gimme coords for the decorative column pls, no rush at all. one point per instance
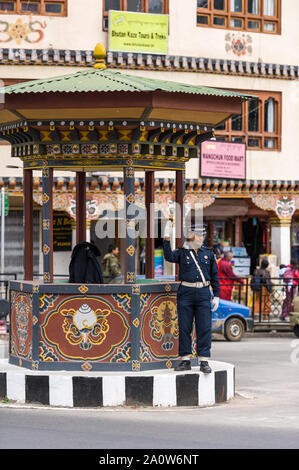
(28, 225)
(130, 241)
(47, 184)
(281, 239)
(150, 224)
(238, 231)
(179, 216)
(80, 206)
(210, 233)
(268, 229)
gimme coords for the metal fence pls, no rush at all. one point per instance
(271, 304)
(267, 306)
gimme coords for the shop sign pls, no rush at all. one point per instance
(223, 160)
(62, 233)
(138, 32)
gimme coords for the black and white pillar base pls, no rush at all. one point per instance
(152, 388)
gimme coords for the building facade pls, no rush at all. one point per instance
(242, 45)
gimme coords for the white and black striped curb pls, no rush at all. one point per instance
(167, 389)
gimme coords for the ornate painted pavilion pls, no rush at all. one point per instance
(91, 120)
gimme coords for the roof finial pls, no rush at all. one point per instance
(99, 54)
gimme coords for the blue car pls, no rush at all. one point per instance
(232, 320)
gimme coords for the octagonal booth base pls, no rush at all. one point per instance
(111, 389)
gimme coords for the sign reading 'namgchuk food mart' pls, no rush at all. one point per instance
(138, 32)
(223, 160)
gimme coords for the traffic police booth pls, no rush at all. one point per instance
(100, 119)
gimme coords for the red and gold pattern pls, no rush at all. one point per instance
(159, 326)
(83, 328)
(21, 325)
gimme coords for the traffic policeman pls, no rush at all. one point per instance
(198, 273)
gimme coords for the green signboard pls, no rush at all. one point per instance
(6, 204)
(138, 32)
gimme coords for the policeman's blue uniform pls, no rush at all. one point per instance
(194, 302)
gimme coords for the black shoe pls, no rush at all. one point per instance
(183, 365)
(204, 367)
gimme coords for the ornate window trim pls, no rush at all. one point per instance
(259, 139)
(123, 7)
(210, 17)
(42, 7)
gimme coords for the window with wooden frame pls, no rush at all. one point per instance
(259, 125)
(244, 15)
(34, 7)
(141, 6)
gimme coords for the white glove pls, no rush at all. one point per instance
(168, 229)
(215, 303)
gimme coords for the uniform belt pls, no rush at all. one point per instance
(196, 284)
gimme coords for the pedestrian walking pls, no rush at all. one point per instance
(262, 286)
(111, 264)
(198, 273)
(227, 276)
(290, 280)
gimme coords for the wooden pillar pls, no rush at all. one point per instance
(268, 236)
(210, 233)
(230, 231)
(28, 225)
(150, 222)
(80, 206)
(130, 241)
(179, 217)
(238, 231)
(281, 239)
(47, 182)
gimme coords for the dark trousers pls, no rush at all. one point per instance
(194, 303)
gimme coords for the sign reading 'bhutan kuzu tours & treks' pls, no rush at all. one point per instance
(138, 32)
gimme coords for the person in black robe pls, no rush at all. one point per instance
(84, 266)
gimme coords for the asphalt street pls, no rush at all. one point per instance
(263, 415)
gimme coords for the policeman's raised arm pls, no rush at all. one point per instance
(169, 255)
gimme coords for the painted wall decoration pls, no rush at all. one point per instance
(21, 325)
(238, 43)
(159, 327)
(29, 31)
(83, 328)
(114, 201)
(283, 206)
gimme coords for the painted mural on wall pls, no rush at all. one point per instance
(30, 31)
(83, 328)
(238, 43)
(21, 325)
(99, 204)
(159, 329)
(283, 206)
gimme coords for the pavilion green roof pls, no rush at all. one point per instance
(107, 80)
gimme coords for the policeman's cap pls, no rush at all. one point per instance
(198, 229)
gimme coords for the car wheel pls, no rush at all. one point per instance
(296, 330)
(234, 329)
